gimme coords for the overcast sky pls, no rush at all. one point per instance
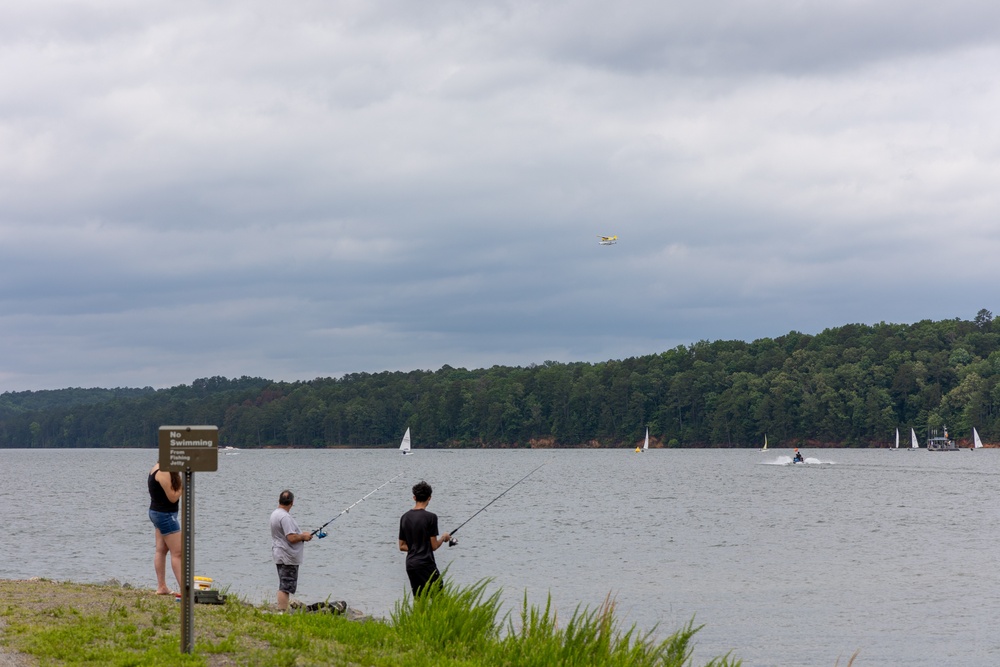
(309, 188)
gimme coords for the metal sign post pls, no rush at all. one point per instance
(188, 449)
(187, 565)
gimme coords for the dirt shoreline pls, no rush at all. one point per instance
(10, 657)
(34, 608)
(36, 600)
(27, 597)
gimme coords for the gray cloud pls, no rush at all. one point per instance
(728, 39)
(312, 189)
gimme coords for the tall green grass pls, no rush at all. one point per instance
(593, 637)
(446, 617)
(462, 622)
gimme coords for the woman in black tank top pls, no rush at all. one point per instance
(158, 496)
(164, 502)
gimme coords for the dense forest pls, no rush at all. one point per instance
(847, 386)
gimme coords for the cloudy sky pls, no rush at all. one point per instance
(308, 188)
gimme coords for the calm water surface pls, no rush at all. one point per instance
(892, 553)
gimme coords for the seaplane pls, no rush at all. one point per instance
(608, 240)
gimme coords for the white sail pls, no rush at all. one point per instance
(645, 445)
(404, 446)
(897, 438)
(975, 438)
(764, 448)
(913, 440)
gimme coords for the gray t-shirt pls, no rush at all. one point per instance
(282, 550)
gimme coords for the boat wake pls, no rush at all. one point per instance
(787, 461)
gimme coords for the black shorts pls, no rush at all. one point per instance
(422, 575)
(288, 577)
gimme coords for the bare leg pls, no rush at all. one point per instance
(160, 564)
(173, 543)
(282, 600)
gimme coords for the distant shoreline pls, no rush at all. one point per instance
(771, 447)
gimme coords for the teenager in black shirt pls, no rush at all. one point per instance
(418, 537)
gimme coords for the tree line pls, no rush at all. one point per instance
(847, 386)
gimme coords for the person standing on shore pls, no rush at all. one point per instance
(164, 502)
(418, 537)
(287, 547)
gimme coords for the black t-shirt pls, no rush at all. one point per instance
(416, 528)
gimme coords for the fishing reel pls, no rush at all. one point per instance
(452, 542)
(321, 534)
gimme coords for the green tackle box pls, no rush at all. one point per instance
(208, 597)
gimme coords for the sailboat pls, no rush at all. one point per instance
(404, 447)
(914, 446)
(764, 448)
(977, 443)
(897, 438)
(645, 445)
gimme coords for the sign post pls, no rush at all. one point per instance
(188, 449)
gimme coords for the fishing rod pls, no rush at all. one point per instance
(452, 542)
(319, 531)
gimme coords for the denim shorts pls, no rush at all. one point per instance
(165, 522)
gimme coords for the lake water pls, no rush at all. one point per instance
(892, 553)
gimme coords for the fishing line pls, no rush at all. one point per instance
(319, 531)
(452, 542)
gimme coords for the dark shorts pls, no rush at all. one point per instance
(288, 577)
(421, 575)
(165, 522)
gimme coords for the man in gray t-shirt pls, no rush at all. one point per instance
(287, 547)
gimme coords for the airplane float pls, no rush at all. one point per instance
(608, 240)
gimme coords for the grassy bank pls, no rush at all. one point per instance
(50, 623)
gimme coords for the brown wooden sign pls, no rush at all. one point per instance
(189, 448)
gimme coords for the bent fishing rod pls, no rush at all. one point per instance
(319, 531)
(452, 542)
